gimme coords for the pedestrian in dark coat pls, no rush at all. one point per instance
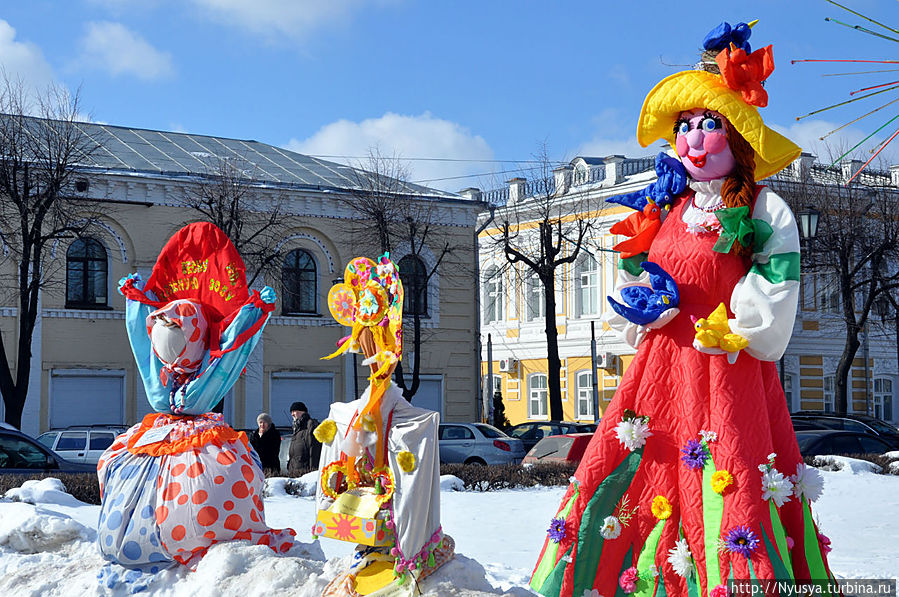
(266, 440)
(304, 448)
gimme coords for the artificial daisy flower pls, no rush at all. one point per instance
(721, 480)
(681, 559)
(776, 487)
(708, 436)
(807, 482)
(633, 432)
(661, 507)
(694, 454)
(741, 540)
(611, 528)
(556, 530)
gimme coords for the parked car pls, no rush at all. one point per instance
(533, 432)
(20, 453)
(820, 442)
(559, 449)
(477, 443)
(82, 443)
(849, 422)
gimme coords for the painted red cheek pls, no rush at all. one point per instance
(681, 145)
(714, 142)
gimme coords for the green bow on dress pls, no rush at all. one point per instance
(737, 226)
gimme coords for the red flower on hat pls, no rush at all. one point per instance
(745, 72)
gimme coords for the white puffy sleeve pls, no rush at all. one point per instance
(764, 301)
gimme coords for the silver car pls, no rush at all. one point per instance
(477, 443)
(81, 444)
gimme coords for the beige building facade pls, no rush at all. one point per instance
(83, 371)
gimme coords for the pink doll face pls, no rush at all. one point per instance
(701, 143)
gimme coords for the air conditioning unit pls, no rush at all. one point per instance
(508, 365)
(606, 360)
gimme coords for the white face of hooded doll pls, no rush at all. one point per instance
(701, 143)
(168, 340)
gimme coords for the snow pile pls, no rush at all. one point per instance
(42, 491)
(894, 455)
(24, 528)
(304, 486)
(853, 466)
(451, 483)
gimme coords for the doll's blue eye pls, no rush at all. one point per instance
(683, 128)
(710, 124)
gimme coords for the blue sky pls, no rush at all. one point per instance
(460, 80)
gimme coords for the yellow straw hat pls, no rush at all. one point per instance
(693, 89)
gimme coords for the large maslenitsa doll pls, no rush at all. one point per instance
(380, 468)
(694, 476)
(182, 479)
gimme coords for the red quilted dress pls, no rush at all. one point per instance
(683, 392)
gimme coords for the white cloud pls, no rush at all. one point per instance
(281, 18)
(118, 50)
(23, 61)
(405, 137)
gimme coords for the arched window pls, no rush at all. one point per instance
(86, 274)
(493, 295)
(587, 285)
(415, 285)
(299, 282)
(537, 396)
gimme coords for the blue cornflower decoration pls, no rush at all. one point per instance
(556, 530)
(741, 540)
(723, 35)
(694, 454)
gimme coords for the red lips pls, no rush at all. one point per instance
(698, 160)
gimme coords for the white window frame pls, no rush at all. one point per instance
(828, 299)
(790, 390)
(882, 399)
(584, 395)
(592, 277)
(494, 296)
(534, 299)
(828, 389)
(534, 395)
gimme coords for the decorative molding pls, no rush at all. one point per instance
(115, 235)
(82, 314)
(318, 243)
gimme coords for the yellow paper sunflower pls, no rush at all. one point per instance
(661, 507)
(721, 480)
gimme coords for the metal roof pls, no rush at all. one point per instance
(163, 153)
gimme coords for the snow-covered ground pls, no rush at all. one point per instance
(46, 542)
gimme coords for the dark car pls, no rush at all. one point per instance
(533, 432)
(848, 422)
(19, 453)
(821, 442)
(568, 448)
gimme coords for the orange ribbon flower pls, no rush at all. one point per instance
(745, 72)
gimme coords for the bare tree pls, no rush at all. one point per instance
(41, 146)
(855, 253)
(539, 234)
(254, 221)
(391, 213)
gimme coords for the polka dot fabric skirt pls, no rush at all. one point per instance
(171, 507)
